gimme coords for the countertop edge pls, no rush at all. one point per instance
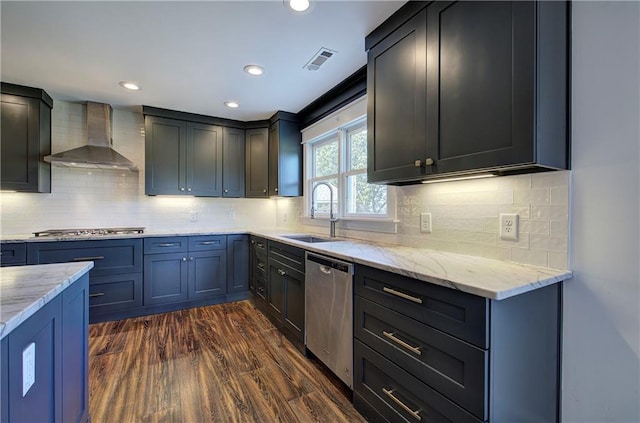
(81, 269)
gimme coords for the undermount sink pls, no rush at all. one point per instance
(310, 238)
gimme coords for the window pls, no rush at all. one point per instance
(337, 164)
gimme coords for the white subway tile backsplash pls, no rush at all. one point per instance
(550, 212)
(540, 242)
(540, 227)
(557, 260)
(559, 195)
(531, 196)
(527, 256)
(559, 228)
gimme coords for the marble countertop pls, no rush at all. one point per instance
(487, 278)
(26, 289)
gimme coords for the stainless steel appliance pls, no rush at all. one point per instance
(329, 313)
(61, 233)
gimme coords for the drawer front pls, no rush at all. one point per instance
(454, 368)
(115, 292)
(13, 254)
(398, 396)
(261, 287)
(261, 266)
(259, 244)
(157, 245)
(286, 254)
(456, 313)
(110, 257)
(208, 242)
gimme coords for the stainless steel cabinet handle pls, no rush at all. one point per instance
(209, 242)
(260, 245)
(399, 341)
(264, 191)
(94, 258)
(427, 162)
(253, 241)
(184, 259)
(189, 189)
(417, 163)
(281, 272)
(402, 295)
(190, 258)
(261, 266)
(226, 190)
(96, 294)
(168, 244)
(414, 414)
(276, 190)
(181, 189)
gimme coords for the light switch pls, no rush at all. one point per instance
(28, 368)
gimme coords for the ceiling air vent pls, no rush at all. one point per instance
(319, 59)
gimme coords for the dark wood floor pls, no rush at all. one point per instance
(223, 363)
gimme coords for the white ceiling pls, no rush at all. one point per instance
(187, 56)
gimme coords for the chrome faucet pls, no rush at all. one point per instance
(332, 216)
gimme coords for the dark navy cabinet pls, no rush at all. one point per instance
(285, 156)
(165, 278)
(13, 254)
(428, 352)
(116, 278)
(59, 332)
(257, 163)
(233, 153)
(461, 87)
(182, 158)
(237, 263)
(25, 139)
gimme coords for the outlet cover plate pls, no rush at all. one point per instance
(28, 368)
(425, 223)
(509, 226)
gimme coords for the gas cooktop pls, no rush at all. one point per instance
(55, 233)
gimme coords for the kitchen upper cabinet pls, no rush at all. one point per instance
(26, 138)
(182, 158)
(257, 163)
(495, 93)
(396, 103)
(285, 156)
(233, 153)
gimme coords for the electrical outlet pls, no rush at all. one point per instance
(425, 223)
(509, 226)
(28, 368)
(193, 216)
(232, 215)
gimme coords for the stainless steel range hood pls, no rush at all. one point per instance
(98, 152)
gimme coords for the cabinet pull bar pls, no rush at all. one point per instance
(260, 245)
(281, 272)
(261, 266)
(88, 258)
(415, 414)
(96, 294)
(403, 295)
(168, 244)
(399, 341)
(209, 242)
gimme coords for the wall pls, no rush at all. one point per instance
(102, 198)
(601, 364)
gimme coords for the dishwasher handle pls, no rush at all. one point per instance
(328, 264)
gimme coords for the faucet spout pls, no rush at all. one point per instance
(332, 216)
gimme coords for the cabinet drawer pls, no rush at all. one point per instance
(115, 292)
(456, 313)
(110, 257)
(13, 254)
(286, 254)
(398, 396)
(455, 368)
(208, 242)
(261, 266)
(261, 287)
(172, 244)
(260, 244)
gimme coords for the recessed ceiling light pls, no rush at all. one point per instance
(254, 70)
(231, 104)
(299, 5)
(130, 85)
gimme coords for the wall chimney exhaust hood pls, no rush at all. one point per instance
(98, 152)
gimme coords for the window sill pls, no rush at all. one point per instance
(389, 226)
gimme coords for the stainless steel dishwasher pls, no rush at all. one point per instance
(329, 313)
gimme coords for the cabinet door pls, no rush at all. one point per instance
(207, 273)
(274, 145)
(276, 288)
(165, 156)
(237, 263)
(233, 165)
(25, 140)
(204, 160)
(294, 302)
(165, 278)
(257, 162)
(480, 79)
(285, 159)
(396, 104)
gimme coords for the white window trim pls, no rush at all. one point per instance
(349, 114)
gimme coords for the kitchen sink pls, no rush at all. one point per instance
(310, 238)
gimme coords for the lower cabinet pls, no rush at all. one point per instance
(59, 334)
(237, 263)
(13, 254)
(277, 273)
(430, 353)
(165, 278)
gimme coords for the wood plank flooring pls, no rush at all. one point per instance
(222, 363)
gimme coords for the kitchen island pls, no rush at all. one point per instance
(44, 319)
